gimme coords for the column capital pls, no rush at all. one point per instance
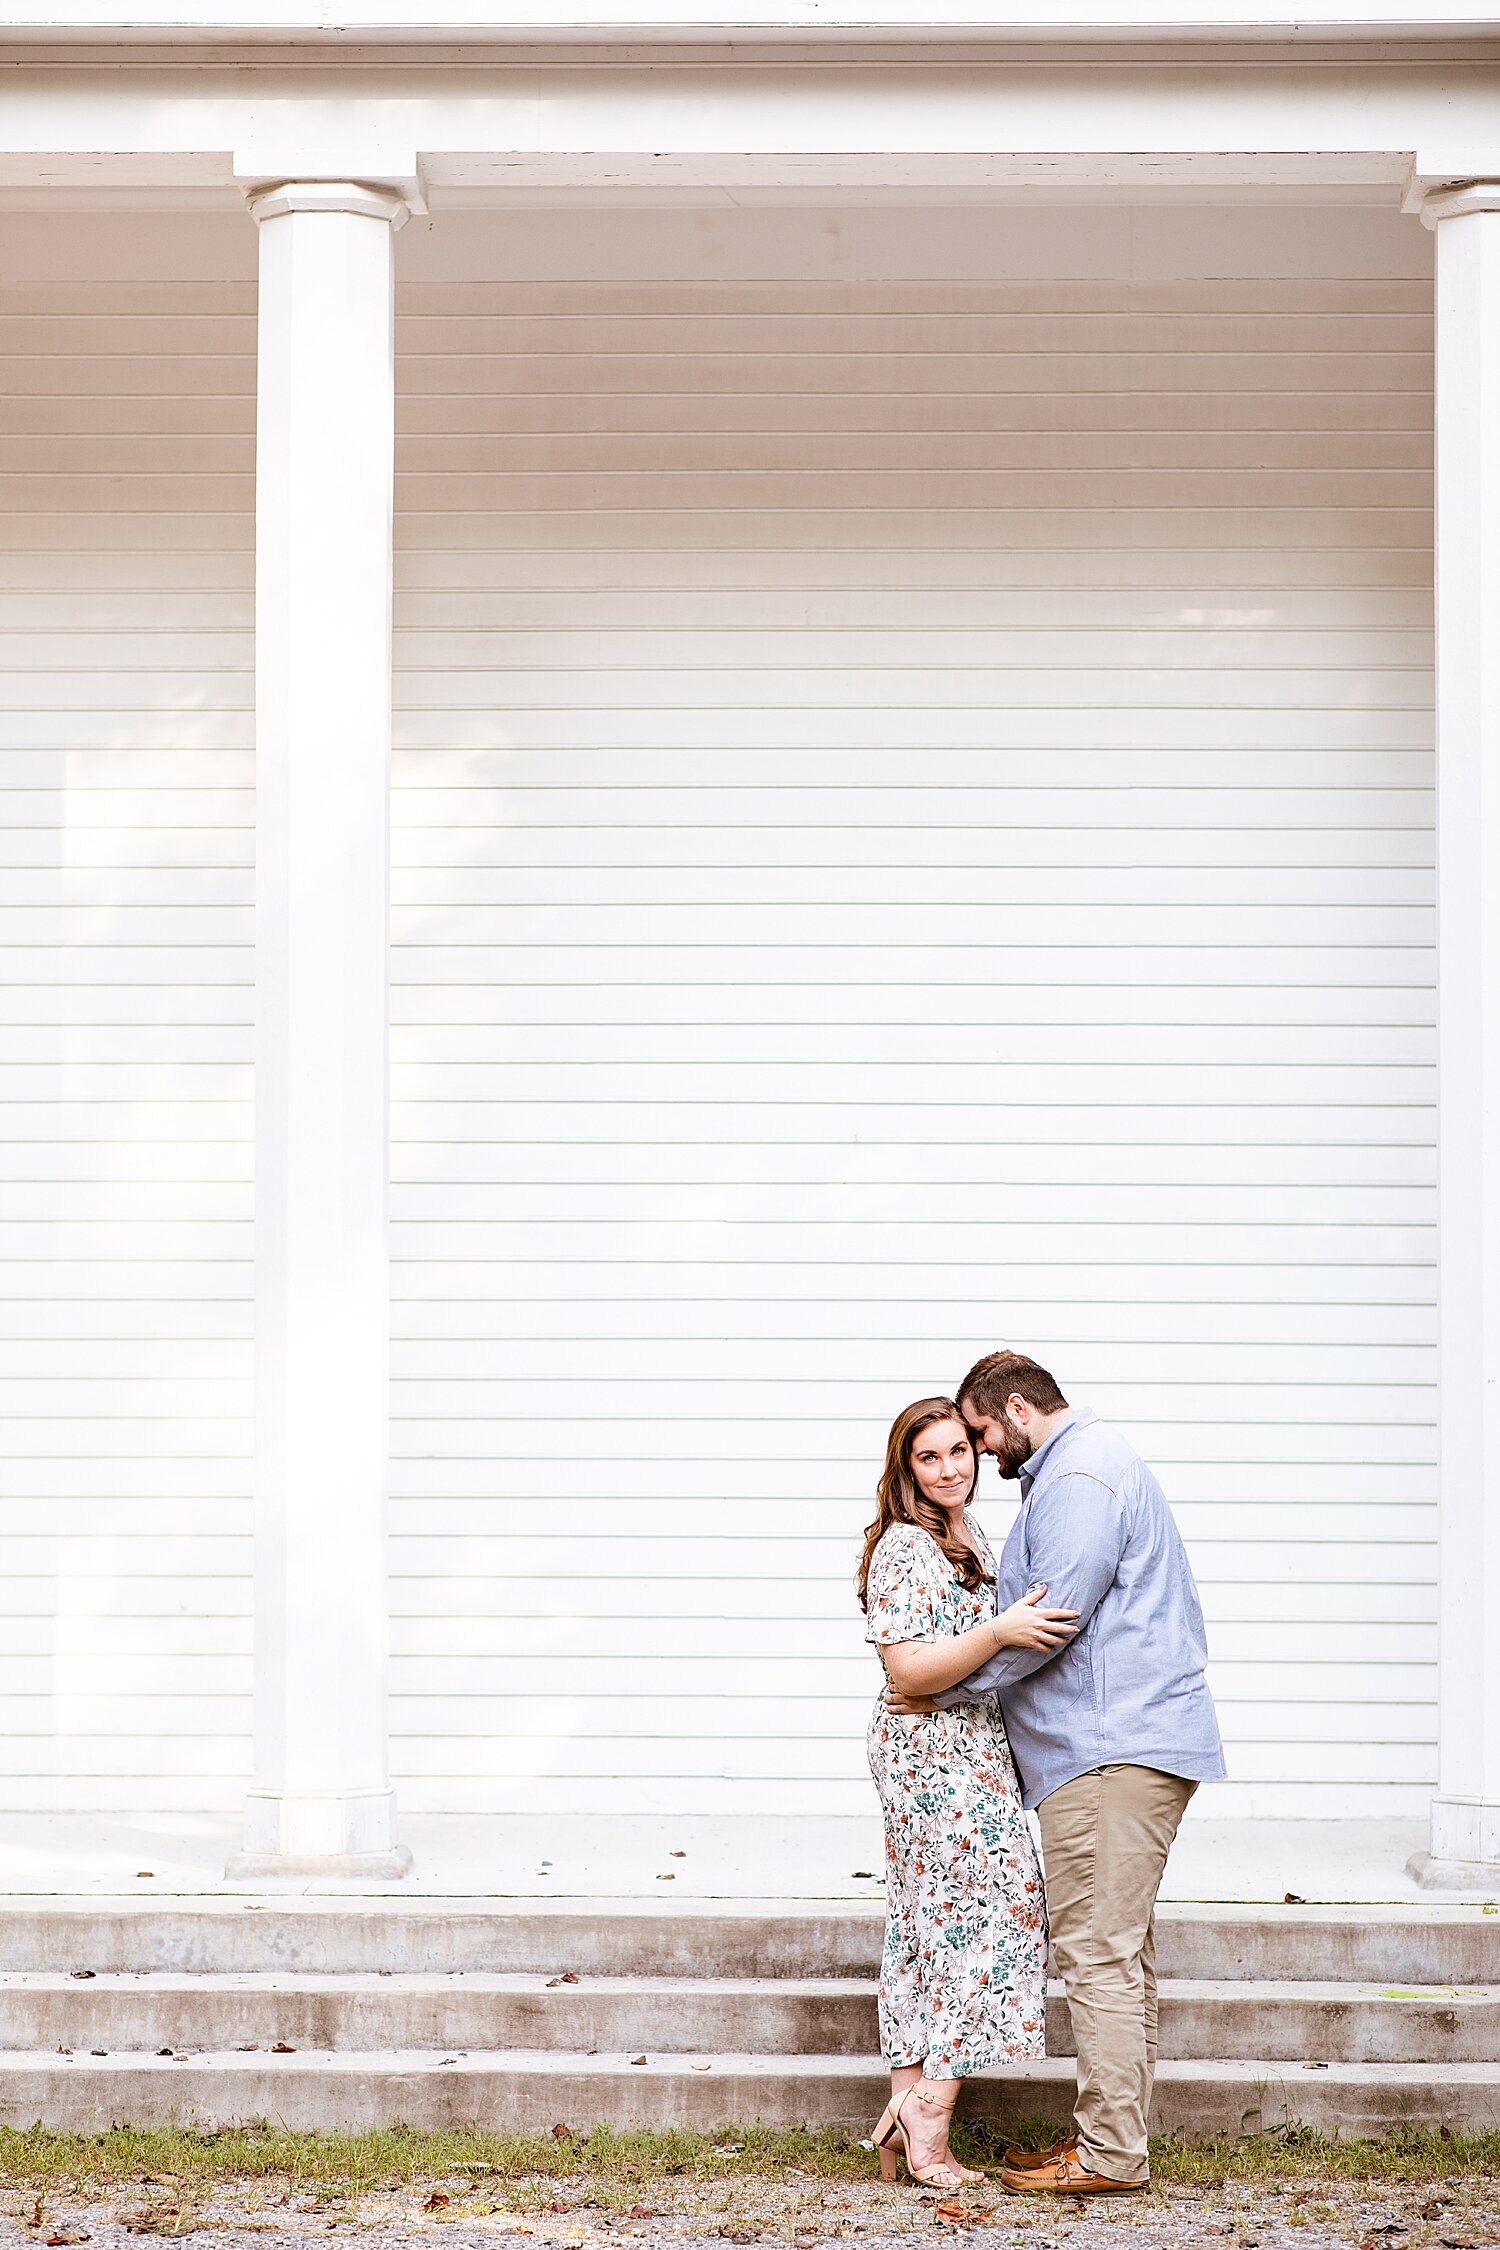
(1436, 203)
(363, 199)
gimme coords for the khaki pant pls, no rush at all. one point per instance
(1105, 1839)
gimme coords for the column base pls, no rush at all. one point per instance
(337, 1867)
(1465, 1853)
(338, 1834)
(1430, 1874)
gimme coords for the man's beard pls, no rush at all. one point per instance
(1018, 1452)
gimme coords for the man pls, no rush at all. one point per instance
(1111, 1735)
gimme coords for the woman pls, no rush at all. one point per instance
(963, 1973)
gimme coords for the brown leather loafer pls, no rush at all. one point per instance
(1031, 2159)
(1067, 2176)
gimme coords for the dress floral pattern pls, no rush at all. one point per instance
(963, 1972)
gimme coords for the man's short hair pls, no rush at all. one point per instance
(1004, 1375)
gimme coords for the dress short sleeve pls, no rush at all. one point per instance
(901, 1597)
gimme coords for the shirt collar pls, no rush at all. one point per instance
(1030, 1470)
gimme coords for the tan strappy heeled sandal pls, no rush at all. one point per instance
(891, 2129)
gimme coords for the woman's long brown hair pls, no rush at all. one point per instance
(898, 1499)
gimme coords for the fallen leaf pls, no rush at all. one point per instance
(636, 2060)
(446, 2060)
(862, 1874)
(1294, 1898)
(637, 2211)
(701, 2066)
(677, 1855)
(66, 2050)
(98, 2050)
(64, 2235)
(80, 1973)
(563, 2133)
(281, 2048)
(36, 2212)
(164, 2050)
(1436, 2207)
(666, 1878)
(437, 2201)
(249, 2048)
(568, 1977)
(950, 2213)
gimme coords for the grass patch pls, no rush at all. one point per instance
(191, 2164)
(397, 2156)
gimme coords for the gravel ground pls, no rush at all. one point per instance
(797, 2213)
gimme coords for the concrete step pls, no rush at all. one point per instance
(529, 2091)
(1201, 2019)
(434, 2011)
(1398, 1945)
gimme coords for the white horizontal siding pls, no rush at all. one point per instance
(792, 674)
(912, 830)
(126, 580)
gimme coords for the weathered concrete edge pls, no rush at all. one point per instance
(364, 2013)
(1416, 1944)
(529, 2093)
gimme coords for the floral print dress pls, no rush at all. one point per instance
(963, 1973)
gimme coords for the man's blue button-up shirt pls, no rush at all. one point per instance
(1128, 1689)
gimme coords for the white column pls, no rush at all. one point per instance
(321, 1801)
(1466, 1810)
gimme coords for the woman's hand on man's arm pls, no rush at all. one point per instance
(1026, 1625)
(916, 1669)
